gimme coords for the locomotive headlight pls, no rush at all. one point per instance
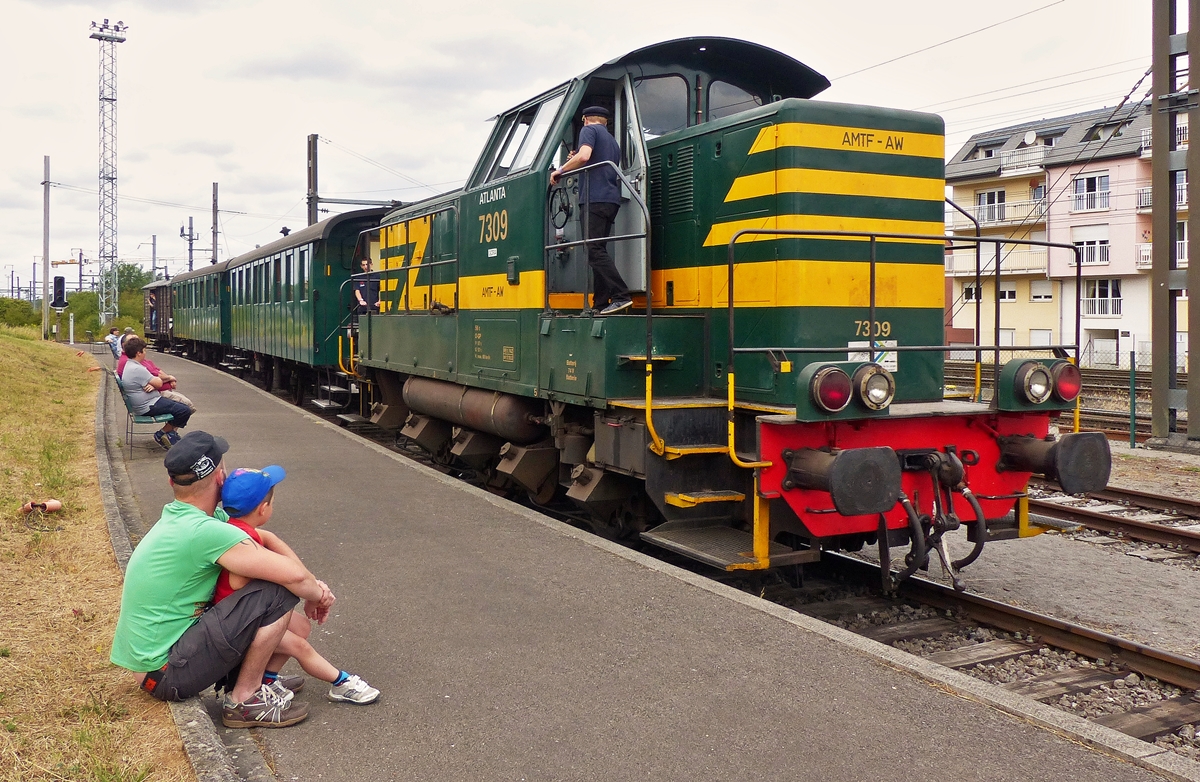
(875, 386)
(831, 389)
(1068, 382)
(1034, 382)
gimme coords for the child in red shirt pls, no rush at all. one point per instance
(248, 497)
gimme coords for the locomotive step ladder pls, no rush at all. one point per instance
(716, 543)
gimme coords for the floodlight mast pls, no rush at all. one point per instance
(109, 35)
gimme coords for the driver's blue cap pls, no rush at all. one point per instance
(245, 489)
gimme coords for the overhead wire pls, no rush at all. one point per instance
(373, 162)
(948, 40)
(1028, 83)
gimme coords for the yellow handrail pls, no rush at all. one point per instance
(657, 446)
(353, 370)
(732, 452)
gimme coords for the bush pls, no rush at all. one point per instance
(18, 312)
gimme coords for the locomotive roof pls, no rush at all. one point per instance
(752, 66)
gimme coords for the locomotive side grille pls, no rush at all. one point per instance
(656, 187)
(680, 192)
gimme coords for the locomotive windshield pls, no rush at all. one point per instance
(521, 136)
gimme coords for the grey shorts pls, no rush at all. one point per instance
(216, 644)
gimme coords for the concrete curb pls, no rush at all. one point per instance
(1098, 737)
(205, 750)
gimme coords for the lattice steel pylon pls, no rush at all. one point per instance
(109, 35)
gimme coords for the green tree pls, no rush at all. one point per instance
(131, 277)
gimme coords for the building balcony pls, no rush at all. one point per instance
(1012, 213)
(1022, 159)
(1145, 197)
(1101, 307)
(1089, 202)
(1023, 261)
(1181, 139)
(1145, 255)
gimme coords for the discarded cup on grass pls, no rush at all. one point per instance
(48, 506)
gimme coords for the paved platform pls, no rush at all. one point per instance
(510, 646)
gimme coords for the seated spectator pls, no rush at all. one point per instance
(113, 340)
(170, 382)
(142, 388)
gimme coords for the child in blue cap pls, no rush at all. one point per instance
(248, 497)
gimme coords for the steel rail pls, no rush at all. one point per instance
(1156, 663)
(1148, 531)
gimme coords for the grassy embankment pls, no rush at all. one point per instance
(66, 713)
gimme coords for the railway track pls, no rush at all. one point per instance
(1050, 660)
(1168, 521)
(992, 634)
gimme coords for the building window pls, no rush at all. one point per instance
(1008, 291)
(969, 293)
(1039, 192)
(989, 206)
(984, 152)
(1091, 192)
(1040, 337)
(1093, 252)
(1102, 297)
(1041, 290)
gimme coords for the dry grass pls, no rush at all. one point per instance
(66, 713)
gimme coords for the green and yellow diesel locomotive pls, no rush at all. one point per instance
(776, 388)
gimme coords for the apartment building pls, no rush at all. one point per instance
(1081, 180)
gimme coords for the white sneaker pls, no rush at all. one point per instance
(283, 693)
(353, 690)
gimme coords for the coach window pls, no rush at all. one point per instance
(662, 103)
(725, 99)
(302, 271)
(288, 279)
(277, 276)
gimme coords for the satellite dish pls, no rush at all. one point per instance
(1030, 137)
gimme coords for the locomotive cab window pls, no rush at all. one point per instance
(725, 99)
(662, 104)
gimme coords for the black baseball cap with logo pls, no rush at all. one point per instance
(195, 457)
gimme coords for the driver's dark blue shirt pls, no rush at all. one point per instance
(602, 185)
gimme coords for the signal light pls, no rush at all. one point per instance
(874, 386)
(1033, 382)
(831, 389)
(1068, 382)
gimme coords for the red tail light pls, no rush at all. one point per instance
(831, 389)
(1068, 382)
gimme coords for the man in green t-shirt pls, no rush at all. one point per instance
(167, 633)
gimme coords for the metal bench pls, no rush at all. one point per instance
(133, 419)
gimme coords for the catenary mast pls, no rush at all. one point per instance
(108, 36)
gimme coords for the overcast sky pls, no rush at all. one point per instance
(227, 91)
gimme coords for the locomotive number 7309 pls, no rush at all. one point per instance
(863, 328)
(493, 226)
